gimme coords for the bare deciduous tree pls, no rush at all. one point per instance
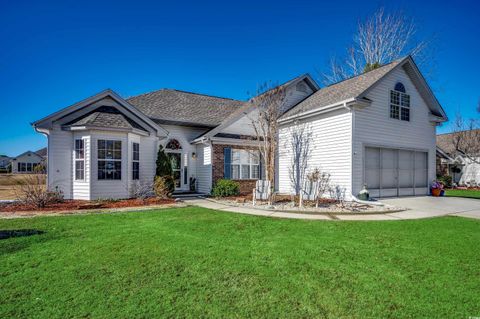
(267, 109)
(380, 39)
(300, 148)
(321, 182)
(466, 137)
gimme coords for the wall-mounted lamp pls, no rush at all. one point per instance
(194, 155)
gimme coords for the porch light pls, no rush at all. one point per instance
(194, 155)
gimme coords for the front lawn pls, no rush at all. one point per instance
(194, 262)
(468, 193)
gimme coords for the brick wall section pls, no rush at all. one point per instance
(246, 185)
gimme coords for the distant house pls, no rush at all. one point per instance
(26, 163)
(377, 129)
(4, 163)
(464, 168)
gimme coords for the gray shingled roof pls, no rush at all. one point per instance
(106, 117)
(42, 152)
(178, 107)
(337, 92)
(446, 141)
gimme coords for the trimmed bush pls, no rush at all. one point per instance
(225, 188)
(164, 165)
(161, 187)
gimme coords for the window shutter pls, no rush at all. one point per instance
(260, 168)
(227, 160)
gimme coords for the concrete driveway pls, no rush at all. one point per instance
(427, 206)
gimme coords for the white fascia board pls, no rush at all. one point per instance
(325, 109)
(233, 141)
(219, 128)
(99, 128)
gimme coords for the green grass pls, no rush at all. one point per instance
(193, 262)
(468, 193)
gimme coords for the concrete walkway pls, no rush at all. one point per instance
(417, 207)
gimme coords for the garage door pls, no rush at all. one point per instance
(395, 172)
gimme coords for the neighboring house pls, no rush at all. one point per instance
(465, 170)
(26, 163)
(4, 163)
(376, 129)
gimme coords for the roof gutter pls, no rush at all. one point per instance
(329, 108)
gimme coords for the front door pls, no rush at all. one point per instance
(176, 160)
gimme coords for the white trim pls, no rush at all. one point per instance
(233, 141)
(106, 93)
(100, 128)
(250, 107)
(329, 108)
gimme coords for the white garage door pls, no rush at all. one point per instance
(395, 172)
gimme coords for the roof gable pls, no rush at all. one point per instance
(68, 113)
(106, 116)
(356, 88)
(28, 153)
(241, 116)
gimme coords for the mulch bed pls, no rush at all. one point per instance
(82, 204)
(279, 198)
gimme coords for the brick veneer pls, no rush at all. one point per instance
(246, 185)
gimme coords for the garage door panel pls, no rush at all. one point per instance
(389, 178)
(421, 191)
(388, 192)
(372, 167)
(406, 191)
(372, 178)
(396, 172)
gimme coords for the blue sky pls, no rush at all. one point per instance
(54, 54)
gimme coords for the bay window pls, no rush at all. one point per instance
(79, 159)
(109, 160)
(135, 161)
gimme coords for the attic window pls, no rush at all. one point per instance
(399, 103)
(302, 87)
(400, 87)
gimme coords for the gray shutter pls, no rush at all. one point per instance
(260, 168)
(227, 160)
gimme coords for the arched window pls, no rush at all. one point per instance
(173, 144)
(400, 87)
(399, 103)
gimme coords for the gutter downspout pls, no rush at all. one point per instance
(46, 134)
(354, 198)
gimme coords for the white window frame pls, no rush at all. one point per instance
(79, 155)
(135, 161)
(403, 104)
(246, 158)
(107, 159)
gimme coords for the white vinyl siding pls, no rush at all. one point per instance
(204, 168)
(373, 127)
(60, 159)
(331, 149)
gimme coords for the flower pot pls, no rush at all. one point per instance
(436, 192)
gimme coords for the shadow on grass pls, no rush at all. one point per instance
(5, 234)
